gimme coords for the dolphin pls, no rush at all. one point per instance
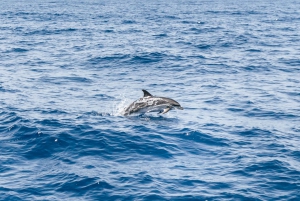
(149, 103)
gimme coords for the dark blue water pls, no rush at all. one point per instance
(68, 68)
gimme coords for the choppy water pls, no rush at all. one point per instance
(67, 68)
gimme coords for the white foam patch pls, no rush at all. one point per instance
(118, 107)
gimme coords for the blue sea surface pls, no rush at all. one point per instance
(68, 69)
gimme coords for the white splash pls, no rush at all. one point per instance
(118, 107)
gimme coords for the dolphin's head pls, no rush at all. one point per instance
(175, 104)
(178, 107)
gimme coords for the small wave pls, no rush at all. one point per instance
(162, 35)
(199, 137)
(203, 46)
(50, 31)
(65, 79)
(128, 22)
(109, 31)
(253, 50)
(254, 132)
(108, 59)
(17, 50)
(258, 112)
(147, 58)
(81, 184)
(290, 62)
(104, 97)
(196, 30)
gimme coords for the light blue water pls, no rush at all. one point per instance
(67, 69)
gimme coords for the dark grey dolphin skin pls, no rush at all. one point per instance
(150, 103)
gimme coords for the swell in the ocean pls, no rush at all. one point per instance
(69, 68)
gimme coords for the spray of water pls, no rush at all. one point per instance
(119, 106)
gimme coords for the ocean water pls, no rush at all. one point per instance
(68, 68)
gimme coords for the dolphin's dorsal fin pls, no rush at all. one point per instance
(146, 93)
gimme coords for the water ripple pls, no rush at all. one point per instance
(68, 69)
